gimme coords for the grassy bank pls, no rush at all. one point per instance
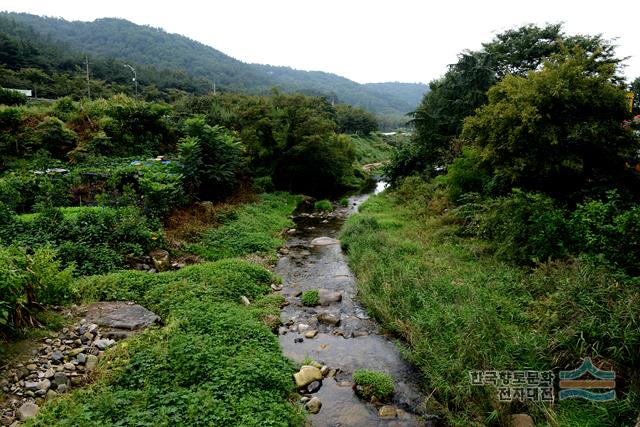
(215, 361)
(370, 149)
(458, 308)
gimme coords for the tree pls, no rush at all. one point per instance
(558, 130)
(439, 118)
(635, 88)
(355, 120)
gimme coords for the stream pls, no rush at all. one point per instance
(312, 259)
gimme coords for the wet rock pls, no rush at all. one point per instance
(328, 297)
(313, 405)
(313, 387)
(244, 300)
(304, 399)
(160, 259)
(311, 334)
(387, 412)
(298, 340)
(303, 327)
(329, 319)
(324, 241)
(27, 410)
(276, 287)
(324, 370)
(522, 420)
(307, 375)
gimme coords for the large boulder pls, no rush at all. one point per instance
(27, 410)
(121, 315)
(307, 375)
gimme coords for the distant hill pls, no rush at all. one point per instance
(125, 41)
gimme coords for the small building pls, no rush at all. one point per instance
(26, 92)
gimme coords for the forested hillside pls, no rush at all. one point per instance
(125, 41)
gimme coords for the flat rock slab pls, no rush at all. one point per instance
(324, 241)
(121, 315)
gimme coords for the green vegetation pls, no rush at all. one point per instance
(251, 229)
(459, 307)
(214, 363)
(344, 202)
(371, 149)
(372, 384)
(48, 54)
(323, 205)
(310, 297)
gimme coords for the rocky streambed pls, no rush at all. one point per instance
(337, 334)
(66, 359)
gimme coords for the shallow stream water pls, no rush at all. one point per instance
(356, 341)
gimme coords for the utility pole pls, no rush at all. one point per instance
(214, 87)
(135, 77)
(86, 58)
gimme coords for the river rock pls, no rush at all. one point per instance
(522, 420)
(60, 379)
(57, 357)
(329, 319)
(27, 410)
(69, 366)
(328, 297)
(103, 343)
(31, 385)
(49, 373)
(244, 300)
(387, 411)
(44, 384)
(303, 327)
(313, 387)
(75, 352)
(161, 260)
(311, 334)
(120, 315)
(313, 405)
(307, 375)
(81, 358)
(92, 362)
(324, 241)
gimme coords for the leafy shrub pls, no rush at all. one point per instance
(53, 136)
(528, 227)
(344, 202)
(28, 278)
(370, 384)
(310, 297)
(263, 184)
(465, 175)
(323, 205)
(11, 97)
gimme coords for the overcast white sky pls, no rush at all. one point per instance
(364, 40)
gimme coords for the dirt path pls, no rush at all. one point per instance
(312, 259)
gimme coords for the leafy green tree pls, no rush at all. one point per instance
(635, 88)
(212, 157)
(355, 120)
(11, 97)
(55, 137)
(558, 130)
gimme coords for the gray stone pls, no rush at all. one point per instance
(69, 366)
(81, 358)
(304, 399)
(44, 384)
(92, 362)
(60, 378)
(31, 385)
(324, 241)
(62, 388)
(328, 297)
(120, 315)
(310, 334)
(49, 373)
(57, 357)
(27, 410)
(313, 387)
(104, 343)
(329, 319)
(313, 405)
(303, 327)
(51, 394)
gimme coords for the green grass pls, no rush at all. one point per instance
(214, 363)
(250, 229)
(68, 213)
(457, 308)
(373, 384)
(371, 149)
(323, 205)
(310, 297)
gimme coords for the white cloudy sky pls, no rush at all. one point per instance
(364, 40)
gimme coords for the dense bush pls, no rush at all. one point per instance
(28, 279)
(11, 97)
(310, 297)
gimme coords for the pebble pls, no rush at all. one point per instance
(244, 300)
(313, 387)
(313, 405)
